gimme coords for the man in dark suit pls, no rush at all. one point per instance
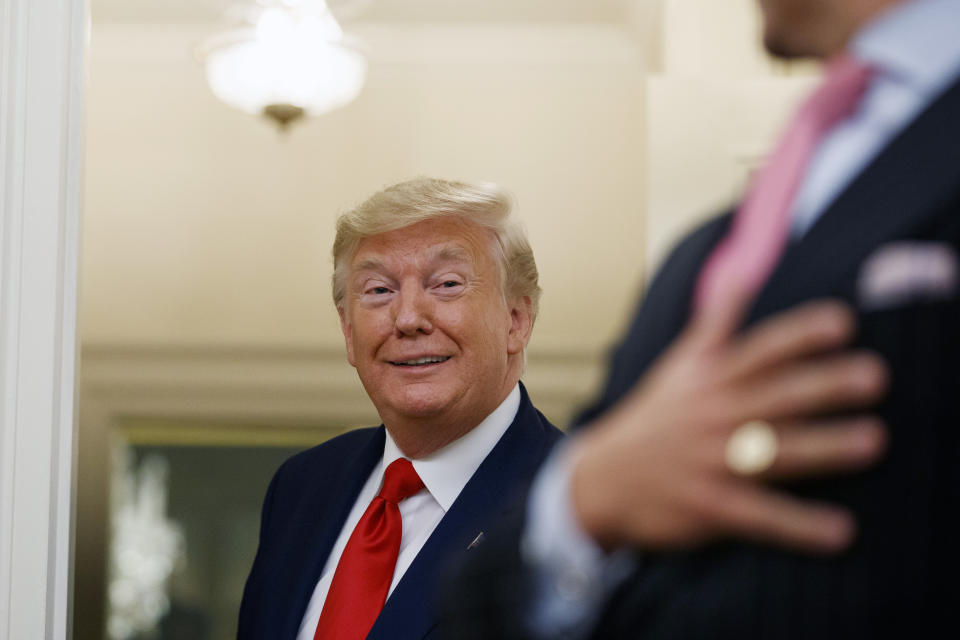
(437, 293)
(872, 219)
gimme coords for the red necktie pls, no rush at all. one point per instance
(746, 256)
(365, 571)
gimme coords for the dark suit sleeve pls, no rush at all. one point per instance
(492, 590)
(255, 581)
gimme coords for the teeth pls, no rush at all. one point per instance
(427, 360)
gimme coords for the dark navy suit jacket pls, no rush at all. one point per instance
(900, 578)
(311, 495)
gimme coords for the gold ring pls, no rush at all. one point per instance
(752, 448)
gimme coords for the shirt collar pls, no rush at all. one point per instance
(446, 471)
(914, 42)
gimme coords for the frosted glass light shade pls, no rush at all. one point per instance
(316, 76)
(289, 59)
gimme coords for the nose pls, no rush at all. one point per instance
(413, 311)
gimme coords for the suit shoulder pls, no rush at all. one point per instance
(539, 425)
(335, 449)
(673, 282)
(672, 285)
(694, 246)
(661, 313)
(551, 433)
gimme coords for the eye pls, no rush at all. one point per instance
(447, 284)
(377, 290)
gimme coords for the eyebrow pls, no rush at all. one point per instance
(450, 253)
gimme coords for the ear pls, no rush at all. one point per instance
(347, 329)
(521, 325)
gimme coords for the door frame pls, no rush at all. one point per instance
(42, 78)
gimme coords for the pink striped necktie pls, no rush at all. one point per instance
(745, 258)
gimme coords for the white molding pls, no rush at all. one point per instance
(280, 386)
(41, 122)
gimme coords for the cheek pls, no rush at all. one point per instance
(369, 331)
(491, 331)
(478, 327)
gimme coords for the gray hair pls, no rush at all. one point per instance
(407, 203)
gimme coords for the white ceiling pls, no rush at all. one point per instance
(200, 11)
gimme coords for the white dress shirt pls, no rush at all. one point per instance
(915, 51)
(444, 473)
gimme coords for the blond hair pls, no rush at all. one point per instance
(407, 203)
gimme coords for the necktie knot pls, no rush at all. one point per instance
(845, 80)
(400, 481)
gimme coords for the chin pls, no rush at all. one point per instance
(801, 39)
(781, 47)
(418, 403)
(775, 48)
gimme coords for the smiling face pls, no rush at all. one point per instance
(436, 345)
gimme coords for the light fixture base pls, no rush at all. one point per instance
(283, 114)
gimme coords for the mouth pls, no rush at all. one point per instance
(420, 362)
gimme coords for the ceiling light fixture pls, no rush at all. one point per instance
(287, 59)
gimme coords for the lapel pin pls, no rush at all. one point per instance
(476, 541)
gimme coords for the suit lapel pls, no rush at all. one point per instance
(410, 612)
(322, 518)
(906, 186)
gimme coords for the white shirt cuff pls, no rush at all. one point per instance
(572, 575)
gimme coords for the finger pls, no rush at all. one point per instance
(808, 329)
(828, 447)
(713, 324)
(845, 381)
(761, 514)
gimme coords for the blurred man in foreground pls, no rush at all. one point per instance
(437, 293)
(860, 201)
